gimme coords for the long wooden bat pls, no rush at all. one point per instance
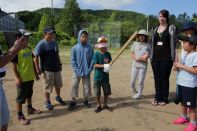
(124, 47)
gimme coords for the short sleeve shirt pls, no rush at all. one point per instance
(139, 50)
(186, 78)
(100, 58)
(49, 55)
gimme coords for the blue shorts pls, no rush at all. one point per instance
(188, 96)
(4, 110)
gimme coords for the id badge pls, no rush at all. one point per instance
(160, 43)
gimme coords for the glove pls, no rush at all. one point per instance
(106, 70)
(106, 66)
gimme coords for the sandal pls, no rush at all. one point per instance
(98, 109)
(108, 108)
(155, 102)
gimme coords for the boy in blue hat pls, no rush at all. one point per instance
(48, 52)
(188, 28)
(187, 82)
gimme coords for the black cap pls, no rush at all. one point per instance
(49, 29)
(190, 38)
(188, 25)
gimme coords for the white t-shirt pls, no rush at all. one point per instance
(186, 78)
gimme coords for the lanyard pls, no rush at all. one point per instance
(160, 35)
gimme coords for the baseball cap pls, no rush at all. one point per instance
(23, 32)
(102, 39)
(49, 29)
(189, 38)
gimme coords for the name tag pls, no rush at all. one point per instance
(160, 43)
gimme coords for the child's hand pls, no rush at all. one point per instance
(175, 68)
(39, 71)
(18, 82)
(144, 57)
(138, 59)
(37, 77)
(178, 65)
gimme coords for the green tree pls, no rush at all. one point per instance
(183, 17)
(45, 21)
(71, 17)
(113, 17)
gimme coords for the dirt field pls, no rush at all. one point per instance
(128, 114)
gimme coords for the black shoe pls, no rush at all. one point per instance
(98, 109)
(86, 104)
(72, 105)
(177, 100)
(108, 108)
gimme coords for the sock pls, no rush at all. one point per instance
(184, 116)
(20, 114)
(193, 122)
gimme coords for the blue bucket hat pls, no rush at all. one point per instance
(188, 25)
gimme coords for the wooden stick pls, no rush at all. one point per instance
(124, 47)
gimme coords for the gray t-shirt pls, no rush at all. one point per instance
(139, 49)
(186, 78)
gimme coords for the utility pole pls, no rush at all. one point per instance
(147, 26)
(52, 10)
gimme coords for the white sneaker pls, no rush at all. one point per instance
(137, 96)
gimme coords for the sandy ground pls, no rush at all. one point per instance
(128, 114)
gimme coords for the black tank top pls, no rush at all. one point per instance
(162, 52)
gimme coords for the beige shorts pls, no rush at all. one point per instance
(52, 79)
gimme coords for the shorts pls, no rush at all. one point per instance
(4, 110)
(52, 79)
(24, 91)
(105, 86)
(188, 96)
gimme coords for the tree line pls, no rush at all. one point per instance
(70, 19)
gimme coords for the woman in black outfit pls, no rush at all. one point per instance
(162, 56)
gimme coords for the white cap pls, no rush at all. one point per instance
(24, 32)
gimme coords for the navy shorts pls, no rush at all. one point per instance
(188, 96)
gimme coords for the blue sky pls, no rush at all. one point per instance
(146, 7)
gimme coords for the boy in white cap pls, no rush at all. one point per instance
(139, 53)
(25, 73)
(4, 59)
(101, 61)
